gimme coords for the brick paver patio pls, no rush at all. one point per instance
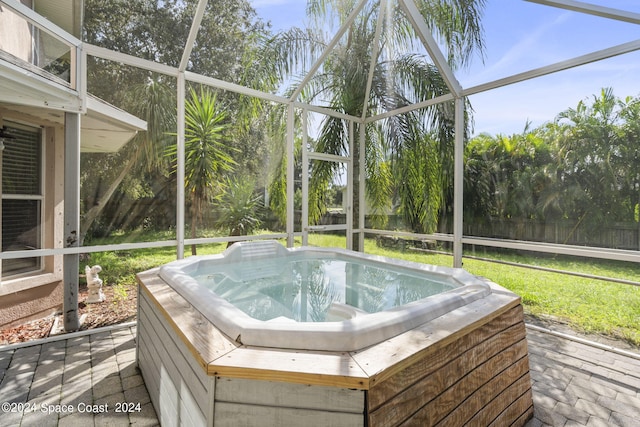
(579, 385)
(92, 380)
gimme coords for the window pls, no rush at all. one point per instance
(21, 196)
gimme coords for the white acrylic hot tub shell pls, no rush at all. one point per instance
(358, 332)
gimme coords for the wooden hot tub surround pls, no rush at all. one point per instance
(467, 367)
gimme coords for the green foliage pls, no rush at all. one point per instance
(158, 31)
(420, 186)
(505, 176)
(206, 153)
(361, 78)
(584, 167)
(240, 207)
(586, 304)
(120, 295)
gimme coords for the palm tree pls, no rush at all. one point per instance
(630, 152)
(240, 207)
(591, 145)
(400, 146)
(506, 176)
(206, 154)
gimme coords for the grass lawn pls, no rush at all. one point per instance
(585, 304)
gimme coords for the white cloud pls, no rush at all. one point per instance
(530, 51)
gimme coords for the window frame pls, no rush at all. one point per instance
(39, 267)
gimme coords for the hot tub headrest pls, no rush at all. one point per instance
(259, 249)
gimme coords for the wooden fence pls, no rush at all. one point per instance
(622, 235)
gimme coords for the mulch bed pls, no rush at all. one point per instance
(120, 306)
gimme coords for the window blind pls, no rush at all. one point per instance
(21, 196)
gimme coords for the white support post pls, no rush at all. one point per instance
(328, 49)
(193, 33)
(305, 180)
(349, 206)
(424, 33)
(374, 57)
(74, 69)
(592, 9)
(290, 173)
(458, 183)
(71, 262)
(180, 168)
(81, 58)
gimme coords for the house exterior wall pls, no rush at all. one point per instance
(15, 34)
(39, 98)
(38, 294)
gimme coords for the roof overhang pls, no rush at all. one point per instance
(24, 86)
(104, 128)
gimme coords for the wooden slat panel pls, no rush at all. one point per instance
(189, 384)
(387, 358)
(434, 360)
(524, 418)
(205, 342)
(165, 399)
(163, 393)
(459, 378)
(150, 371)
(522, 388)
(167, 346)
(522, 406)
(454, 407)
(490, 400)
(190, 413)
(149, 361)
(458, 407)
(157, 324)
(238, 415)
(169, 398)
(293, 366)
(269, 393)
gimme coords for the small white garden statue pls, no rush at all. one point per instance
(94, 283)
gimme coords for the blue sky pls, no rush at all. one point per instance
(520, 36)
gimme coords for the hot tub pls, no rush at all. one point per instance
(263, 294)
(262, 335)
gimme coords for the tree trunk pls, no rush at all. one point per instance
(94, 212)
(356, 194)
(193, 236)
(195, 215)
